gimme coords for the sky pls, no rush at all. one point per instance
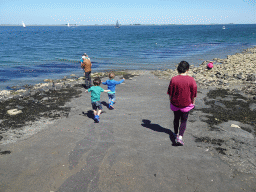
(89, 12)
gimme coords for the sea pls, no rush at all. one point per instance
(30, 55)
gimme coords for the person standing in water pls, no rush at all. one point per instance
(182, 93)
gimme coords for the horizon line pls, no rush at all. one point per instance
(136, 24)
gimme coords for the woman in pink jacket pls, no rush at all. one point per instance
(182, 91)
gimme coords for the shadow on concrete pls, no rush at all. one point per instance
(155, 127)
(104, 103)
(89, 114)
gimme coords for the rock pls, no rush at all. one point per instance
(14, 88)
(218, 74)
(45, 99)
(19, 107)
(32, 93)
(14, 112)
(45, 89)
(251, 77)
(28, 86)
(81, 78)
(58, 86)
(204, 63)
(236, 126)
(239, 76)
(252, 107)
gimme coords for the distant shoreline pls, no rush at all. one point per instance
(75, 25)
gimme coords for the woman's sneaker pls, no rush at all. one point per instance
(179, 140)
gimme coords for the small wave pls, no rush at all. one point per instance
(3, 80)
(57, 66)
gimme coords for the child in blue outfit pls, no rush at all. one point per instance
(112, 87)
(95, 98)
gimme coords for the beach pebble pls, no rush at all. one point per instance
(252, 107)
(14, 112)
(236, 126)
(19, 107)
(45, 99)
(81, 78)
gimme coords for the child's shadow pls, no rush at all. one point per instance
(104, 103)
(155, 127)
(89, 114)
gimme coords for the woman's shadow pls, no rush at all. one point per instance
(155, 127)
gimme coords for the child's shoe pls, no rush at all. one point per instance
(96, 119)
(111, 105)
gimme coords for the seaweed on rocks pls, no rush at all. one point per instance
(230, 134)
(229, 106)
(47, 103)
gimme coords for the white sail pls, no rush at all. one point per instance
(68, 25)
(23, 24)
(117, 24)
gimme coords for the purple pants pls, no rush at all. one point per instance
(180, 116)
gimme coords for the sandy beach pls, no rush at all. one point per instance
(53, 144)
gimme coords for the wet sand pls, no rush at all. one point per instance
(132, 148)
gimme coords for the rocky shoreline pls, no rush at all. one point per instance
(236, 73)
(46, 101)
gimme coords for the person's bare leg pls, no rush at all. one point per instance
(99, 112)
(94, 112)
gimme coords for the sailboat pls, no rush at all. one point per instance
(23, 24)
(117, 24)
(68, 25)
(223, 27)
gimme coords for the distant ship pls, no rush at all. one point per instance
(223, 27)
(71, 25)
(117, 24)
(23, 24)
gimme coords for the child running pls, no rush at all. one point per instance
(95, 98)
(112, 87)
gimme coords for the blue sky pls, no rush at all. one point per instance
(84, 12)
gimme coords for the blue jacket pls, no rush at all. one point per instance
(112, 84)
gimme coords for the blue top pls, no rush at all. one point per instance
(112, 84)
(81, 60)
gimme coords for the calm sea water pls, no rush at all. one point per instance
(30, 55)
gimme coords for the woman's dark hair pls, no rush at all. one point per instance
(183, 67)
(97, 81)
